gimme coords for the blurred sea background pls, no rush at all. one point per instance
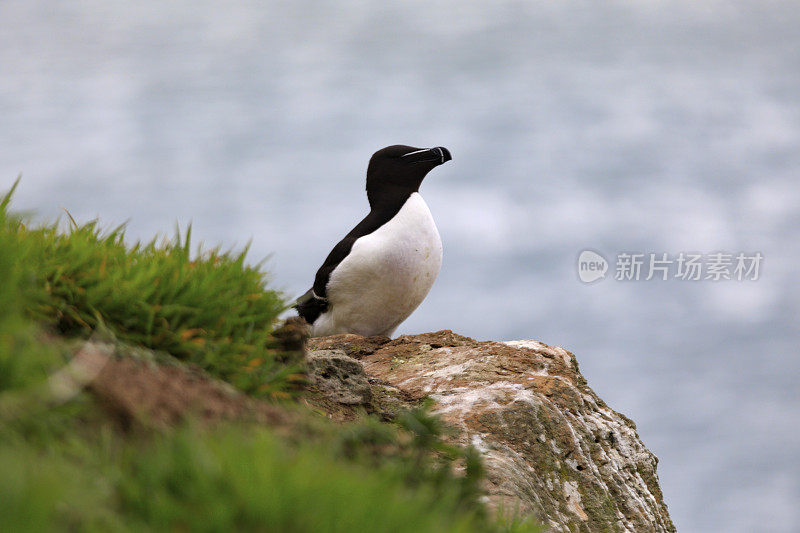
(647, 126)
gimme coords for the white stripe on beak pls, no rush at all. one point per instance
(415, 152)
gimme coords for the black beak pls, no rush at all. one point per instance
(438, 155)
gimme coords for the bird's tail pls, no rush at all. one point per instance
(310, 306)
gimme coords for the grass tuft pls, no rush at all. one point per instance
(211, 308)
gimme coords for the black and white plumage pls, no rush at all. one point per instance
(376, 276)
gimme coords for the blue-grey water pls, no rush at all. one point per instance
(649, 126)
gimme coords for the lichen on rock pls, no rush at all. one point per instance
(552, 448)
(339, 377)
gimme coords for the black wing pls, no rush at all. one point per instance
(314, 302)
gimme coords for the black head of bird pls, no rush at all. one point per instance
(397, 171)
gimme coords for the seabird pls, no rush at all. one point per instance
(376, 276)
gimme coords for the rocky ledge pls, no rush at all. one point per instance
(552, 448)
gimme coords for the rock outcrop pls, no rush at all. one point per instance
(552, 448)
(339, 377)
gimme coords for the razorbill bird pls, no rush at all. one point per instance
(376, 276)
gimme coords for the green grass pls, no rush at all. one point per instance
(210, 308)
(298, 490)
(230, 479)
(67, 466)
